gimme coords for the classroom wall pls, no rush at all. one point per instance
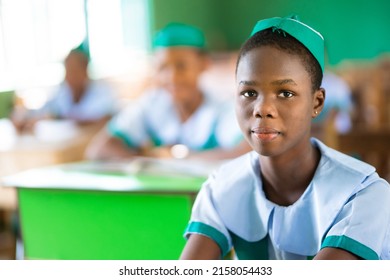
(354, 29)
(202, 13)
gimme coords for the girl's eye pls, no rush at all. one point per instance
(286, 94)
(249, 94)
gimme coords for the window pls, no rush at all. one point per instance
(35, 36)
(118, 34)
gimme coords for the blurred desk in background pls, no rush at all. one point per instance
(25, 151)
(131, 210)
(369, 145)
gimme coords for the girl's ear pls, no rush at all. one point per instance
(318, 102)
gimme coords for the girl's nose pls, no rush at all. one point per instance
(264, 108)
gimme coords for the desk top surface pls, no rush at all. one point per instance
(137, 175)
(48, 136)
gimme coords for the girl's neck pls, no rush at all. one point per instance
(286, 178)
(78, 92)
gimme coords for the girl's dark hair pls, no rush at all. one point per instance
(285, 42)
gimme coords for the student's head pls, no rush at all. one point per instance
(76, 70)
(278, 74)
(180, 57)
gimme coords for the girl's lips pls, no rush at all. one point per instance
(265, 134)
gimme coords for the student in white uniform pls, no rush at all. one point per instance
(96, 102)
(78, 98)
(177, 112)
(292, 197)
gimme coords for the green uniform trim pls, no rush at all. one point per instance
(119, 134)
(212, 141)
(246, 250)
(157, 142)
(350, 245)
(214, 234)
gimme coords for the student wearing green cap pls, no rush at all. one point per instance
(177, 118)
(292, 197)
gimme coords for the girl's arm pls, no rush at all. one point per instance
(200, 247)
(335, 254)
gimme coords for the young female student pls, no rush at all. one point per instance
(177, 111)
(292, 197)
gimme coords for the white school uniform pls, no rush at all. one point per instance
(154, 120)
(346, 206)
(97, 102)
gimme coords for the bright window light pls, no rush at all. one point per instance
(36, 35)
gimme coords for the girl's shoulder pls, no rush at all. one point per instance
(340, 162)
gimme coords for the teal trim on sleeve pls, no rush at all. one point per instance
(211, 142)
(350, 245)
(119, 134)
(157, 142)
(214, 234)
(246, 250)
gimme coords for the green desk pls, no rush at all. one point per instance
(77, 211)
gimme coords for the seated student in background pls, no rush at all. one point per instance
(292, 197)
(176, 112)
(77, 98)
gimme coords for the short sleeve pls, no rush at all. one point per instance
(205, 219)
(362, 227)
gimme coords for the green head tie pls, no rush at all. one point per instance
(179, 35)
(83, 48)
(305, 34)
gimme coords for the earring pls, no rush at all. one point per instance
(315, 112)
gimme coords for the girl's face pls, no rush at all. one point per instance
(179, 70)
(76, 73)
(274, 101)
